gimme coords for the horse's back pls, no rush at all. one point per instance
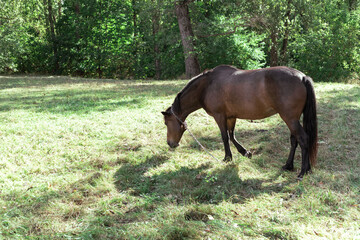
(287, 91)
(255, 94)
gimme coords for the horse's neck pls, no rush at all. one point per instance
(190, 100)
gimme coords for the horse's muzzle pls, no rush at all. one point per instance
(172, 144)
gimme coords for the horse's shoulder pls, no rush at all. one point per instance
(224, 68)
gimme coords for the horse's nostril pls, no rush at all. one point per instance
(172, 144)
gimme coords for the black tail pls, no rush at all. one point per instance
(310, 119)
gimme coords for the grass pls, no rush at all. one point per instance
(87, 159)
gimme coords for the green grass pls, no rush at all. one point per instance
(87, 159)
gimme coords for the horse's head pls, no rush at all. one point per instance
(175, 128)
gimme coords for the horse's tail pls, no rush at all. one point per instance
(310, 119)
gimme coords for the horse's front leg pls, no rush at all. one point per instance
(231, 127)
(221, 122)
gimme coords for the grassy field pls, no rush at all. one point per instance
(87, 159)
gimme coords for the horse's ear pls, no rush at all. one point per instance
(166, 113)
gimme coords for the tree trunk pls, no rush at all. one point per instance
(285, 42)
(192, 66)
(59, 8)
(100, 39)
(352, 5)
(156, 27)
(135, 60)
(134, 16)
(51, 19)
(274, 58)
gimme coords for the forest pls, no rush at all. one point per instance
(163, 39)
(83, 145)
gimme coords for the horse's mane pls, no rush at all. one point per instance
(176, 104)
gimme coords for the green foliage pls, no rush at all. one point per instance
(244, 50)
(223, 40)
(157, 28)
(329, 49)
(140, 39)
(19, 25)
(96, 38)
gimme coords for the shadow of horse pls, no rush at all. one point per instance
(194, 184)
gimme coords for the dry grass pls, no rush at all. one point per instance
(87, 159)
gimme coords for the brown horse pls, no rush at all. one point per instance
(227, 93)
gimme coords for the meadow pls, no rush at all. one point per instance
(88, 159)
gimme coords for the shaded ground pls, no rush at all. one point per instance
(87, 159)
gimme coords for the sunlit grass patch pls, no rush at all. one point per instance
(88, 159)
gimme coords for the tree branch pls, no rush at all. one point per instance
(223, 34)
(184, 2)
(6, 18)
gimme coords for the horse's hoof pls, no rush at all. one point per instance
(302, 173)
(300, 176)
(227, 159)
(248, 154)
(287, 168)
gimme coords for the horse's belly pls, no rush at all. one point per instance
(251, 112)
(256, 115)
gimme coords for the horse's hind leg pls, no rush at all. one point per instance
(289, 165)
(231, 126)
(303, 139)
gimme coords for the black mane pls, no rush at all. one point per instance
(176, 104)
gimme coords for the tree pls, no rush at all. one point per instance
(192, 66)
(159, 38)
(51, 21)
(278, 20)
(155, 31)
(96, 38)
(22, 25)
(9, 35)
(328, 49)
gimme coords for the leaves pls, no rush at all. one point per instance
(140, 39)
